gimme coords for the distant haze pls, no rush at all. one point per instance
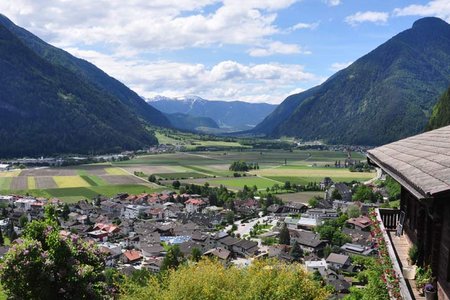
(229, 115)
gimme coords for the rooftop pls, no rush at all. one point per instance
(420, 163)
(337, 258)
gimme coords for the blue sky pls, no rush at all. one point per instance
(250, 50)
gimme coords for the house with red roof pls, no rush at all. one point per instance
(194, 205)
(131, 256)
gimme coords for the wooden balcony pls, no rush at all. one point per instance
(389, 219)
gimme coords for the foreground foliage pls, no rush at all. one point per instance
(210, 280)
(47, 265)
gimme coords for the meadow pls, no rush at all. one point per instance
(197, 167)
(275, 167)
(72, 184)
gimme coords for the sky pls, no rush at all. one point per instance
(249, 50)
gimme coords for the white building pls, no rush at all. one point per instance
(194, 205)
(316, 265)
(133, 211)
(25, 203)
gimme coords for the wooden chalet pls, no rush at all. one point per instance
(421, 164)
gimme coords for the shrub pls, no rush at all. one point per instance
(413, 254)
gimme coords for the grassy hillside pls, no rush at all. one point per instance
(441, 112)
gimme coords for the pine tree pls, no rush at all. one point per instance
(296, 252)
(2, 241)
(65, 212)
(285, 238)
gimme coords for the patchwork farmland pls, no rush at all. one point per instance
(73, 183)
(275, 167)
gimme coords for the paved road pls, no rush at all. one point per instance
(245, 228)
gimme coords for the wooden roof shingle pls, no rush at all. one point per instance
(420, 163)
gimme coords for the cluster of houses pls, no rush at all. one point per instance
(134, 231)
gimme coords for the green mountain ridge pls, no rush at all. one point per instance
(440, 116)
(89, 73)
(191, 123)
(46, 109)
(384, 96)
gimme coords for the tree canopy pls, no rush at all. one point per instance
(210, 280)
(47, 265)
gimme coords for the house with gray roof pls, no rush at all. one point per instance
(421, 165)
(307, 240)
(338, 261)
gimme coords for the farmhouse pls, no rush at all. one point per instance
(338, 261)
(421, 164)
(361, 223)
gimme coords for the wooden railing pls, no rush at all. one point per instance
(390, 217)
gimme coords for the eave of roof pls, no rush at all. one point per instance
(420, 163)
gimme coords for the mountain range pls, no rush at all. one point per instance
(52, 102)
(384, 96)
(229, 115)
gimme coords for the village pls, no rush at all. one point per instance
(136, 231)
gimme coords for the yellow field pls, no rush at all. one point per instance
(116, 171)
(70, 181)
(31, 182)
(10, 173)
(313, 172)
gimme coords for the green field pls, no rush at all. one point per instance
(276, 167)
(239, 182)
(5, 183)
(13, 173)
(305, 171)
(211, 172)
(192, 142)
(301, 197)
(70, 181)
(79, 193)
(308, 179)
(31, 181)
(116, 171)
(180, 175)
(303, 166)
(93, 180)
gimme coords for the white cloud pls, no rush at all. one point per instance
(333, 2)
(304, 26)
(337, 66)
(437, 8)
(227, 80)
(129, 40)
(376, 17)
(277, 48)
(143, 25)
